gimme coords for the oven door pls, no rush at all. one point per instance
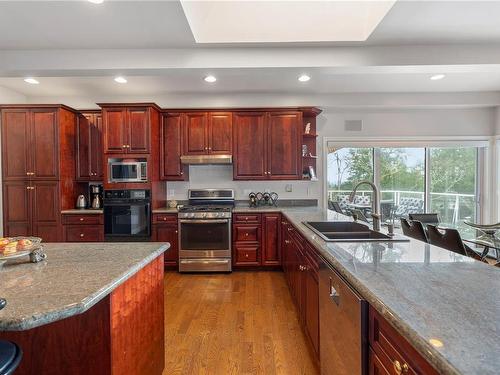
(205, 238)
(124, 172)
(127, 220)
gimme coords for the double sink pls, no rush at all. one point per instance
(347, 231)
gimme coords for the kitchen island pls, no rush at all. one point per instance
(90, 308)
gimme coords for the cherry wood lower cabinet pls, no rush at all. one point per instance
(83, 227)
(165, 229)
(256, 239)
(301, 267)
(390, 353)
(31, 208)
(121, 334)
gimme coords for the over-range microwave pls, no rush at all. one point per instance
(127, 170)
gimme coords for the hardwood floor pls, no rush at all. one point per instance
(239, 323)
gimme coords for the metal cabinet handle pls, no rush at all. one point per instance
(82, 235)
(289, 229)
(246, 255)
(3, 303)
(81, 219)
(400, 368)
(246, 234)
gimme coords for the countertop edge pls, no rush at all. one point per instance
(425, 349)
(81, 307)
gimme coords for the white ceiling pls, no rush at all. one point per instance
(101, 41)
(276, 80)
(162, 24)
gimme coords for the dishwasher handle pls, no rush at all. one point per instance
(334, 294)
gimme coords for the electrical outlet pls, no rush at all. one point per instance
(171, 192)
(288, 188)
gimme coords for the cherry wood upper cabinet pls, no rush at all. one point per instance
(126, 130)
(114, 130)
(220, 133)
(45, 144)
(284, 143)
(207, 133)
(195, 134)
(171, 148)
(89, 147)
(16, 125)
(249, 157)
(138, 131)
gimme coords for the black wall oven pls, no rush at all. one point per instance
(127, 215)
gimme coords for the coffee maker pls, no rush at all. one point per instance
(95, 196)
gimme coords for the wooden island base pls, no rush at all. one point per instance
(122, 334)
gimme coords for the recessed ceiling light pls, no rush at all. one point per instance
(304, 78)
(210, 79)
(31, 80)
(437, 77)
(120, 80)
(96, 1)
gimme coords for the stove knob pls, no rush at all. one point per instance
(218, 214)
(204, 215)
(191, 215)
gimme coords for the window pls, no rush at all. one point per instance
(443, 180)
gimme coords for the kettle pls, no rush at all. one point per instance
(81, 202)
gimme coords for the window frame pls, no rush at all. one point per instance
(483, 145)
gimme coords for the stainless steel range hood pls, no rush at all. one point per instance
(207, 159)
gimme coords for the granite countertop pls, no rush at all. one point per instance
(74, 278)
(82, 211)
(427, 293)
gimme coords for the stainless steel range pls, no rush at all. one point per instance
(205, 231)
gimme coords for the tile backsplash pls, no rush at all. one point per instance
(221, 176)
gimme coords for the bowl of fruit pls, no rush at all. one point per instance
(17, 247)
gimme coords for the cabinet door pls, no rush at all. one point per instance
(195, 134)
(83, 169)
(15, 143)
(16, 208)
(171, 145)
(246, 254)
(44, 145)
(312, 306)
(271, 254)
(249, 155)
(96, 167)
(114, 130)
(45, 211)
(284, 137)
(138, 131)
(220, 133)
(168, 233)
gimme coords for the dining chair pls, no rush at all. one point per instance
(335, 206)
(449, 239)
(425, 218)
(414, 229)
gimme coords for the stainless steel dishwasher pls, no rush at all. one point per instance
(343, 331)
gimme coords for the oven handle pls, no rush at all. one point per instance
(205, 261)
(223, 221)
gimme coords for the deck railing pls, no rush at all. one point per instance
(451, 207)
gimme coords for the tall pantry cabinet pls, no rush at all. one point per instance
(38, 168)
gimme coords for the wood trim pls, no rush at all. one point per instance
(130, 105)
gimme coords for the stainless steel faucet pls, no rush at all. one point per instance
(375, 202)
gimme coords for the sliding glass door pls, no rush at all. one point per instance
(453, 187)
(442, 180)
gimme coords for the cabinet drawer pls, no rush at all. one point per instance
(82, 219)
(246, 233)
(247, 218)
(83, 233)
(164, 218)
(246, 255)
(393, 351)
